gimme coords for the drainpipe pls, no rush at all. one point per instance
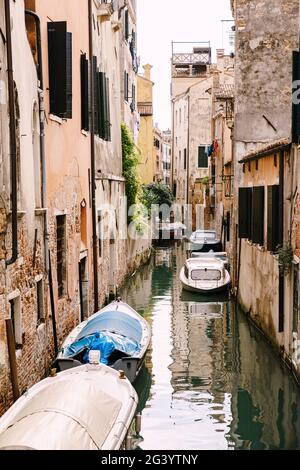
(93, 177)
(13, 138)
(42, 130)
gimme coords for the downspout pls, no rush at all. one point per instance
(93, 177)
(42, 131)
(13, 138)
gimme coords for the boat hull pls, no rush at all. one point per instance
(198, 290)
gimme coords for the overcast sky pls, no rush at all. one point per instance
(160, 22)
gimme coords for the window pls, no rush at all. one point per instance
(84, 72)
(273, 218)
(60, 69)
(258, 215)
(185, 160)
(202, 158)
(61, 254)
(40, 302)
(15, 314)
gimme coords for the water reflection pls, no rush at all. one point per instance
(212, 381)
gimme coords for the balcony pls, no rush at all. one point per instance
(145, 109)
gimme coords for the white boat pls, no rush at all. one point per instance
(222, 255)
(118, 331)
(87, 408)
(207, 275)
(205, 241)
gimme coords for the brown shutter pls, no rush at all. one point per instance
(245, 204)
(273, 218)
(258, 204)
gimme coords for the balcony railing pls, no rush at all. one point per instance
(191, 59)
(145, 109)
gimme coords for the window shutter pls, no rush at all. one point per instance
(69, 77)
(102, 117)
(258, 215)
(96, 96)
(273, 218)
(228, 223)
(244, 213)
(296, 107)
(84, 72)
(108, 123)
(60, 69)
(126, 25)
(202, 158)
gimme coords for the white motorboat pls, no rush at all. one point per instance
(91, 407)
(222, 255)
(207, 275)
(117, 331)
(205, 241)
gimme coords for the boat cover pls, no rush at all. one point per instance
(106, 343)
(73, 414)
(115, 321)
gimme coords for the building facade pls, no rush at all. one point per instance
(167, 156)
(265, 168)
(25, 328)
(145, 140)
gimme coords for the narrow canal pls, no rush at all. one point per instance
(211, 381)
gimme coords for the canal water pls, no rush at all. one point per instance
(210, 381)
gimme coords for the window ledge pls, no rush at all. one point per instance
(40, 211)
(85, 133)
(54, 118)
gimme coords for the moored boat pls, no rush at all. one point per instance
(207, 275)
(222, 256)
(205, 241)
(120, 334)
(91, 407)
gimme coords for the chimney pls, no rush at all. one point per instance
(147, 69)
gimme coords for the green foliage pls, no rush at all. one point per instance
(157, 194)
(285, 258)
(130, 167)
(205, 180)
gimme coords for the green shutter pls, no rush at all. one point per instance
(108, 123)
(84, 73)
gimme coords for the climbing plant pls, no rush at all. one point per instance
(130, 167)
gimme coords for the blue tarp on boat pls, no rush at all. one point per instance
(106, 343)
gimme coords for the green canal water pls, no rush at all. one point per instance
(210, 381)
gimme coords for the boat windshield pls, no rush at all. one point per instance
(205, 235)
(206, 275)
